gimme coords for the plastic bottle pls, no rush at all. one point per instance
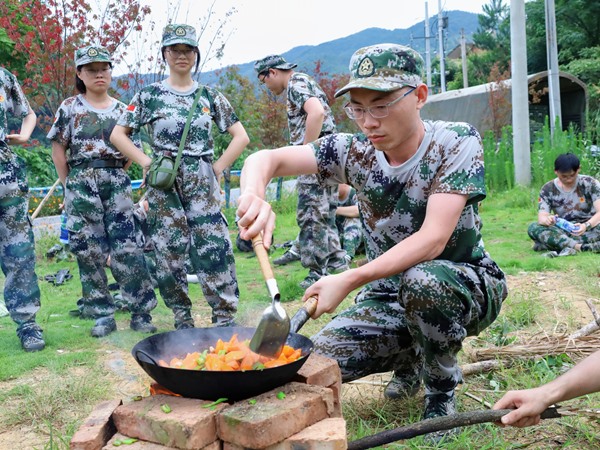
(64, 233)
(566, 225)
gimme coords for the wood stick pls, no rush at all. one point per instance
(39, 208)
(593, 310)
(585, 330)
(437, 424)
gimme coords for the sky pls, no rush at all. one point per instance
(262, 27)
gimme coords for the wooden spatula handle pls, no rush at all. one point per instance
(263, 257)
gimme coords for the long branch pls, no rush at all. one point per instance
(438, 424)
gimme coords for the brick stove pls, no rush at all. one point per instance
(309, 417)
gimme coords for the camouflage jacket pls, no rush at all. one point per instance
(393, 200)
(13, 102)
(85, 130)
(575, 206)
(165, 111)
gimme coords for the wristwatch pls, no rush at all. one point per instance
(588, 225)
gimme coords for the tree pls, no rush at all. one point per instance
(49, 31)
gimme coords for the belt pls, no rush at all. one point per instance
(100, 164)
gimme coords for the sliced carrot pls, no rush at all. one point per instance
(232, 355)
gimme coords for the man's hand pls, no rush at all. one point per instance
(330, 292)
(529, 403)
(16, 139)
(255, 215)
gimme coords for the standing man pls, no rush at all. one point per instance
(309, 117)
(430, 281)
(17, 250)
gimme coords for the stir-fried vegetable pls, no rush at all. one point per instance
(230, 356)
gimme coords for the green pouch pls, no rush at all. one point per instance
(162, 172)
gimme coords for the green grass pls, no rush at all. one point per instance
(49, 393)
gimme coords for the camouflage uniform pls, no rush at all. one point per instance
(318, 239)
(349, 228)
(187, 218)
(100, 209)
(576, 206)
(414, 322)
(17, 250)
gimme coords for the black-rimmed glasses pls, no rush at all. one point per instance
(377, 111)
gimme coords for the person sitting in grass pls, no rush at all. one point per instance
(431, 282)
(575, 198)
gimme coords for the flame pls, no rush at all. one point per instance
(156, 389)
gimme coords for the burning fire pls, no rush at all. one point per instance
(156, 389)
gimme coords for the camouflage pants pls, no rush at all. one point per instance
(100, 223)
(17, 250)
(556, 239)
(419, 335)
(318, 240)
(187, 219)
(350, 233)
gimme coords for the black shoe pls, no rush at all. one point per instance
(401, 387)
(31, 337)
(104, 326)
(143, 323)
(183, 319)
(439, 405)
(286, 258)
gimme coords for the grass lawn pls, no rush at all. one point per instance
(46, 395)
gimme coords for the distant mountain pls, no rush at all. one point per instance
(335, 55)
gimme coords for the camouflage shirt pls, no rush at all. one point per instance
(575, 206)
(300, 88)
(85, 130)
(393, 200)
(13, 102)
(165, 111)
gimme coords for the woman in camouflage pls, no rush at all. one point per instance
(17, 251)
(186, 218)
(98, 197)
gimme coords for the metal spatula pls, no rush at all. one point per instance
(274, 326)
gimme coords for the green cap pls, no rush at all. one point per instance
(384, 67)
(272, 62)
(91, 54)
(179, 34)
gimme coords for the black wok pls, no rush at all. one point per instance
(211, 385)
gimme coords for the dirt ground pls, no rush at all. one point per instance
(129, 380)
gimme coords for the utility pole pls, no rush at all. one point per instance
(553, 77)
(463, 57)
(520, 93)
(441, 46)
(427, 46)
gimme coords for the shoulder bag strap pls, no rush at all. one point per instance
(186, 129)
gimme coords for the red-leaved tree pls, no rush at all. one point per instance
(49, 31)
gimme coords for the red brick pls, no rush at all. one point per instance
(337, 399)
(145, 445)
(187, 426)
(97, 428)
(319, 370)
(271, 420)
(139, 445)
(328, 434)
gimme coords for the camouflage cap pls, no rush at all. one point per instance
(272, 62)
(91, 54)
(384, 67)
(179, 34)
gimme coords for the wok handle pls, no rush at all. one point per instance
(303, 314)
(152, 360)
(263, 257)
